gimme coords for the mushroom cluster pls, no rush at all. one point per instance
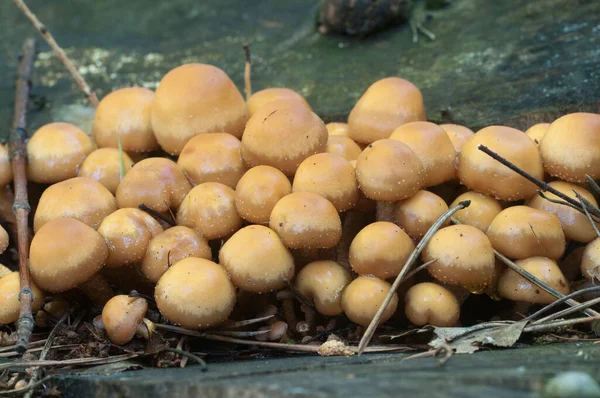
(221, 209)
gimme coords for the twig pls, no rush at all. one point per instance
(561, 300)
(13, 347)
(41, 28)
(69, 362)
(555, 324)
(156, 214)
(247, 71)
(419, 268)
(299, 294)
(568, 311)
(239, 324)
(556, 201)
(189, 355)
(21, 208)
(413, 256)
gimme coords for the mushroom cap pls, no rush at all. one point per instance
(194, 99)
(169, 247)
(389, 170)
(522, 232)
(576, 225)
(464, 255)
(195, 293)
(380, 249)
(81, 198)
(127, 233)
(480, 213)
(418, 213)
(256, 260)
(121, 317)
(306, 220)
(155, 182)
(323, 282)
(6, 174)
(514, 287)
(3, 239)
(213, 157)
(337, 129)
(10, 288)
(433, 147)
(56, 151)
(430, 303)
(210, 209)
(104, 166)
(387, 104)
(282, 134)
(124, 115)
(537, 132)
(458, 135)
(362, 298)
(590, 261)
(65, 253)
(571, 147)
(479, 172)
(257, 192)
(263, 97)
(331, 176)
(51, 312)
(344, 146)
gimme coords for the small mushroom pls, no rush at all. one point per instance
(480, 213)
(267, 95)
(6, 174)
(590, 261)
(4, 270)
(430, 303)
(323, 282)
(10, 287)
(418, 213)
(344, 146)
(3, 239)
(537, 132)
(104, 165)
(362, 298)
(51, 312)
(458, 135)
(337, 129)
(123, 318)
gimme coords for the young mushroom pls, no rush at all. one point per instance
(458, 135)
(6, 174)
(590, 260)
(267, 95)
(337, 129)
(50, 313)
(10, 288)
(480, 213)
(431, 304)
(323, 282)
(362, 298)
(123, 318)
(537, 132)
(344, 146)
(104, 165)
(3, 239)
(418, 213)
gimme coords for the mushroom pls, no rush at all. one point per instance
(481, 173)
(195, 293)
(258, 191)
(418, 213)
(210, 209)
(104, 165)
(571, 147)
(123, 118)
(194, 99)
(306, 220)
(537, 132)
(3, 239)
(337, 129)
(10, 288)
(80, 198)
(330, 176)
(123, 318)
(4, 270)
(282, 134)
(51, 312)
(480, 213)
(213, 157)
(6, 175)
(387, 104)
(322, 282)
(380, 249)
(56, 151)
(267, 95)
(430, 303)
(344, 146)
(256, 260)
(514, 287)
(590, 261)
(433, 147)
(570, 265)
(362, 298)
(458, 135)
(522, 232)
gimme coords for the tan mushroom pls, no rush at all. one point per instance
(429, 303)
(480, 213)
(104, 165)
(263, 97)
(418, 213)
(363, 297)
(123, 318)
(10, 288)
(323, 282)
(537, 132)
(258, 191)
(458, 135)
(590, 261)
(344, 146)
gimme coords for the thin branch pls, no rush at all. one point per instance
(568, 311)
(585, 204)
(562, 300)
(556, 324)
(187, 354)
(247, 71)
(420, 268)
(557, 201)
(239, 324)
(156, 214)
(69, 362)
(299, 294)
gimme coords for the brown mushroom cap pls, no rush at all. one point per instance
(387, 104)
(329, 175)
(257, 260)
(263, 97)
(3, 239)
(380, 249)
(306, 220)
(171, 246)
(514, 287)
(430, 303)
(485, 175)
(194, 99)
(418, 213)
(362, 298)
(51, 312)
(65, 253)
(571, 147)
(124, 115)
(433, 147)
(155, 182)
(480, 213)
(590, 261)
(282, 134)
(81, 198)
(6, 175)
(56, 151)
(195, 293)
(10, 288)
(458, 135)
(344, 146)
(389, 170)
(121, 317)
(323, 282)
(257, 192)
(575, 224)
(210, 209)
(127, 233)
(104, 166)
(213, 157)
(337, 129)
(464, 256)
(537, 132)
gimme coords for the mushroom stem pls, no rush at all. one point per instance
(385, 211)
(309, 316)
(286, 297)
(352, 223)
(97, 290)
